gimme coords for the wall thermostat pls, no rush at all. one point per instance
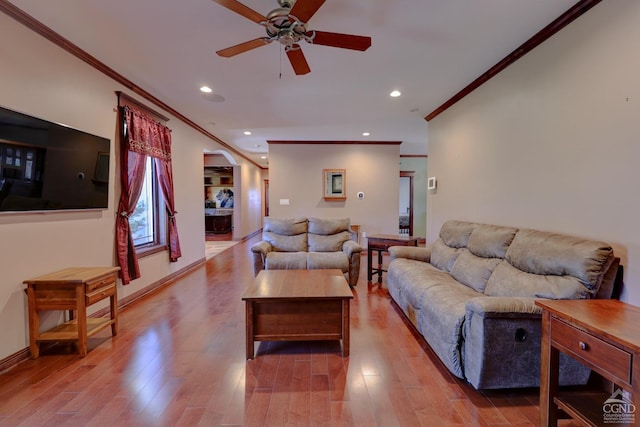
(360, 195)
(432, 183)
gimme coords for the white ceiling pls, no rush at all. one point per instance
(427, 49)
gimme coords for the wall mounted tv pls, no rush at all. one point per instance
(45, 166)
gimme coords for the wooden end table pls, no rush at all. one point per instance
(603, 335)
(72, 289)
(381, 243)
(297, 305)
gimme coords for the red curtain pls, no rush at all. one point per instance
(165, 178)
(143, 136)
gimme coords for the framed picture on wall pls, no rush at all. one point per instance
(334, 184)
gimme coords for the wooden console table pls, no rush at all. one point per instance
(381, 243)
(72, 289)
(603, 335)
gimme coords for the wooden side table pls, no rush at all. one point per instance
(72, 289)
(603, 335)
(381, 243)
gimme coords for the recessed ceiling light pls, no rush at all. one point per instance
(263, 157)
(206, 89)
(246, 132)
(365, 134)
(395, 94)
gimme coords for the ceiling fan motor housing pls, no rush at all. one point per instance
(286, 3)
(286, 28)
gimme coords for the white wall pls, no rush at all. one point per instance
(40, 79)
(552, 142)
(295, 173)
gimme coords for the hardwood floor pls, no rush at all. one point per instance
(179, 360)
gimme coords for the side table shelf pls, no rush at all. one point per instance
(72, 289)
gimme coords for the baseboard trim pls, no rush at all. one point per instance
(255, 233)
(25, 354)
(14, 359)
(154, 287)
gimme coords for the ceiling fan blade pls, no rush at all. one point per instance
(298, 61)
(344, 41)
(243, 47)
(305, 9)
(241, 9)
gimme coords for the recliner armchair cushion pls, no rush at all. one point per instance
(328, 226)
(286, 261)
(284, 243)
(328, 260)
(330, 243)
(286, 226)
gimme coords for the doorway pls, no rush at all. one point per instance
(405, 209)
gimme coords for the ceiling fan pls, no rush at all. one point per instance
(288, 25)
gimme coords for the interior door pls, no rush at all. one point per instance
(405, 208)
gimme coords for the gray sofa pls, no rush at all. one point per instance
(471, 296)
(308, 243)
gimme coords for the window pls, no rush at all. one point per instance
(148, 220)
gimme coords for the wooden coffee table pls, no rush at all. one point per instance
(298, 305)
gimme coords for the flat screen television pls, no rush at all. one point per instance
(46, 166)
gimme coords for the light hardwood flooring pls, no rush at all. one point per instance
(179, 360)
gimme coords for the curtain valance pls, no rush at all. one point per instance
(146, 136)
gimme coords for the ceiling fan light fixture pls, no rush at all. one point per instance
(286, 38)
(288, 25)
(206, 89)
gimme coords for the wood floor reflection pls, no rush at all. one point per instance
(179, 360)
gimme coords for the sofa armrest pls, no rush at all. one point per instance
(263, 247)
(501, 307)
(350, 247)
(410, 252)
(260, 251)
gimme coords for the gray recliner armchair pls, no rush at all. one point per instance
(308, 243)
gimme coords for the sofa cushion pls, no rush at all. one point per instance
(508, 281)
(286, 226)
(473, 271)
(440, 321)
(282, 243)
(490, 241)
(328, 226)
(328, 260)
(455, 234)
(328, 243)
(541, 252)
(443, 256)
(286, 261)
